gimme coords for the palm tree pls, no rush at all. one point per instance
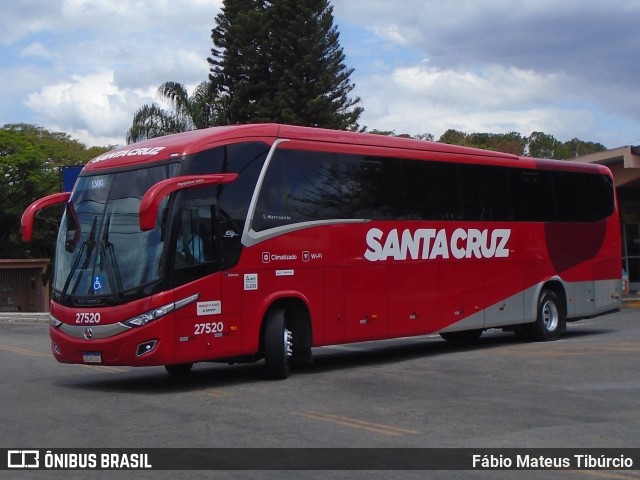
(190, 112)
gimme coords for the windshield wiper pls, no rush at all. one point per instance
(88, 245)
(107, 252)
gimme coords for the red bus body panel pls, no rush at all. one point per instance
(483, 273)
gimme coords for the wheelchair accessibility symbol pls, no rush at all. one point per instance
(98, 282)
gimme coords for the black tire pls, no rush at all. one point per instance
(466, 336)
(550, 321)
(179, 368)
(278, 343)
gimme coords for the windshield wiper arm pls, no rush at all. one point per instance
(88, 245)
(107, 252)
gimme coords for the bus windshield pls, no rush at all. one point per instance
(101, 252)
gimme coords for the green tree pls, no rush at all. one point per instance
(577, 148)
(427, 137)
(541, 145)
(189, 112)
(282, 62)
(452, 137)
(386, 133)
(511, 142)
(239, 65)
(537, 145)
(30, 161)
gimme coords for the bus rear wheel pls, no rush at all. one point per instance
(550, 321)
(278, 345)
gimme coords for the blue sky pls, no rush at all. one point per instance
(568, 68)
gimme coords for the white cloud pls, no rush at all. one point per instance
(37, 50)
(564, 68)
(19, 19)
(87, 65)
(395, 34)
(423, 99)
(493, 87)
(88, 107)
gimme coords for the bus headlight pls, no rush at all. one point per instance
(159, 312)
(54, 322)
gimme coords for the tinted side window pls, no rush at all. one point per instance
(245, 159)
(371, 187)
(299, 186)
(484, 193)
(582, 197)
(432, 191)
(532, 195)
(601, 194)
(231, 200)
(195, 249)
(302, 186)
(572, 198)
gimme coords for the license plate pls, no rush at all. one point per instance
(92, 357)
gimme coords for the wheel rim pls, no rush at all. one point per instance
(550, 316)
(288, 343)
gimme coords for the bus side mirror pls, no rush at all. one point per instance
(26, 222)
(153, 197)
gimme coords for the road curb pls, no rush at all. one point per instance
(22, 317)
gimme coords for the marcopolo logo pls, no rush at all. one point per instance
(431, 244)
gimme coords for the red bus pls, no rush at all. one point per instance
(254, 242)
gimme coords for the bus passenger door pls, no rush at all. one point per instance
(365, 303)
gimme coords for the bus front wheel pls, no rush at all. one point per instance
(550, 321)
(278, 345)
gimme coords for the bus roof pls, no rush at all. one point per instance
(186, 143)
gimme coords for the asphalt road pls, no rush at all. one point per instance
(579, 392)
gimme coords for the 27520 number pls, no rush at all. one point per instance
(87, 318)
(210, 327)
